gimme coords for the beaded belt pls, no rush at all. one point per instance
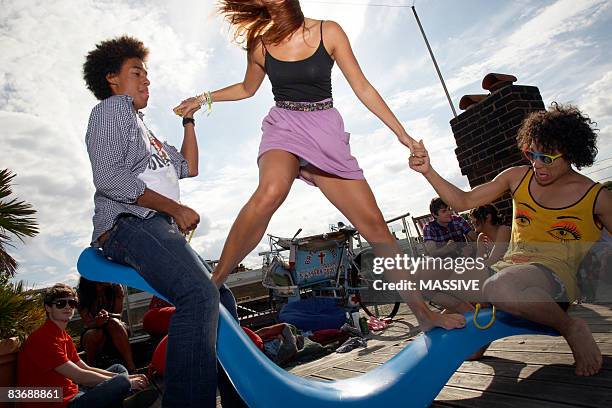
(305, 106)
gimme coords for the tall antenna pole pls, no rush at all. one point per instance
(450, 102)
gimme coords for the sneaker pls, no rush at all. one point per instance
(352, 331)
(351, 344)
(141, 399)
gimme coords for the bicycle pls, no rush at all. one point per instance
(319, 265)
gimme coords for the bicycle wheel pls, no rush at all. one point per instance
(380, 310)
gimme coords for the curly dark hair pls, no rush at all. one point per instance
(88, 295)
(107, 58)
(563, 128)
(480, 213)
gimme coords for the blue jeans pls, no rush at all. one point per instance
(157, 250)
(108, 393)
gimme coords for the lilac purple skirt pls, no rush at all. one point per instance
(316, 137)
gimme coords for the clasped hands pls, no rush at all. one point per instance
(188, 107)
(419, 157)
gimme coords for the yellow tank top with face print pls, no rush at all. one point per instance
(557, 238)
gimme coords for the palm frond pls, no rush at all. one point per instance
(16, 220)
(21, 312)
(8, 264)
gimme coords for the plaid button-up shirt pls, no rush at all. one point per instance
(118, 154)
(456, 230)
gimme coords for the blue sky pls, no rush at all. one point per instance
(564, 47)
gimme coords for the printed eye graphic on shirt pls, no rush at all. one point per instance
(523, 218)
(565, 231)
(565, 228)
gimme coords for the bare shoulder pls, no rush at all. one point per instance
(332, 26)
(257, 53)
(603, 205)
(335, 37)
(333, 29)
(513, 176)
(516, 172)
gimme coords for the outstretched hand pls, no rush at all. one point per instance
(187, 107)
(407, 140)
(419, 158)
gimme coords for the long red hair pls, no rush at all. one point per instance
(251, 20)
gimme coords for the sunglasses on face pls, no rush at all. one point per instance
(60, 304)
(546, 159)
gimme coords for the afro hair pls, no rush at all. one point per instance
(107, 58)
(562, 128)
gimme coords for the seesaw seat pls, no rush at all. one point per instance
(412, 378)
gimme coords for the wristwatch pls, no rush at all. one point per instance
(188, 120)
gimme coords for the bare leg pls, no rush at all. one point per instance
(355, 200)
(119, 337)
(277, 170)
(532, 287)
(93, 341)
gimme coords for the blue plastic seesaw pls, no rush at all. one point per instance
(412, 378)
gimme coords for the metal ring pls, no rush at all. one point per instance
(486, 326)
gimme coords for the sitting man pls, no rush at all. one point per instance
(139, 220)
(558, 214)
(100, 307)
(447, 234)
(49, 359)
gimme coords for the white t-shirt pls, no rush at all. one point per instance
(159, 175)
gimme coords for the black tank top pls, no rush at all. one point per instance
(307, 80)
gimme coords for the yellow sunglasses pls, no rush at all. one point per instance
(546, 159)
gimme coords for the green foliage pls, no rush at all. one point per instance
(21, 312)
(16, 220)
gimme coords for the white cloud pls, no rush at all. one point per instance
(597, 100)
(561, 46)
(44, 107)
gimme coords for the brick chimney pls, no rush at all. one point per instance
(486, 132)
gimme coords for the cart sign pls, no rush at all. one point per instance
(316, 266)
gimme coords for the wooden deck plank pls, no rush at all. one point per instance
(599, 338)
(333, 373)
(375, 358)
(525, 343)
(543, 390)
(528, 371)
(335, 359)
(606, 348)
(461, 397)
(542, 358)
(558, 374)
(359, 366)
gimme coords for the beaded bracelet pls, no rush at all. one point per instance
(205, 97)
